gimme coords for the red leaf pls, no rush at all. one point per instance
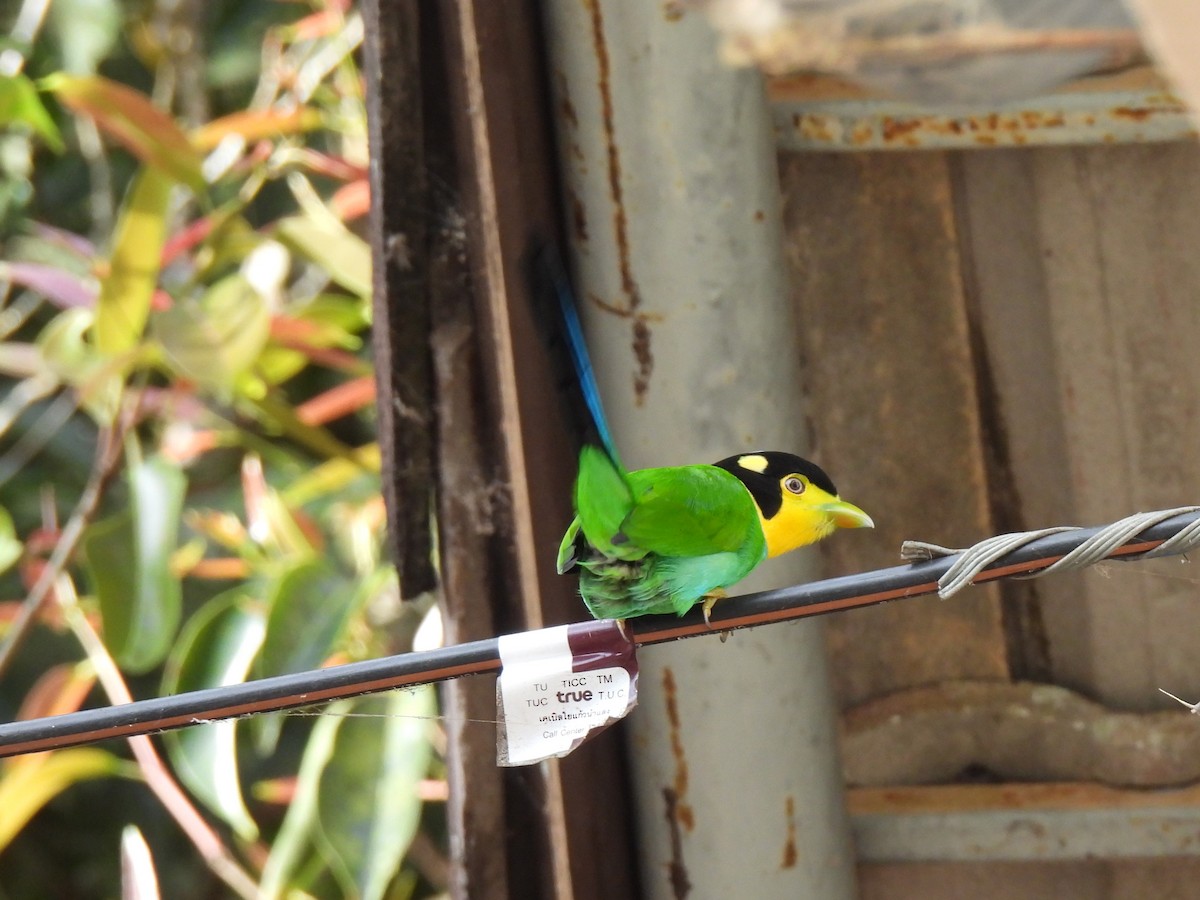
(351, 201)
(133, 121)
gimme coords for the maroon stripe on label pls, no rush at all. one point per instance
(600, 645)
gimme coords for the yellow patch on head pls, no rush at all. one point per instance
(754, 462)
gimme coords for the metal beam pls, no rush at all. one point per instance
(1119, 117)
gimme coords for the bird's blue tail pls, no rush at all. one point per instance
(558, 305)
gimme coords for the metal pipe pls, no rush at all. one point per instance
(674, 207)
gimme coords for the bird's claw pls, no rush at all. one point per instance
(710, 600)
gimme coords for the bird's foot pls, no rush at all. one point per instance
(710, 600)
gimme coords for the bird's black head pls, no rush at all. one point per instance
(763, 470)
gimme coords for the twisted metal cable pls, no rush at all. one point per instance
(973, 560)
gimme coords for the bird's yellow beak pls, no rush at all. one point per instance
(846, 515)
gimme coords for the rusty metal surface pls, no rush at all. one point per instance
(1058, 119)
(1014, 732)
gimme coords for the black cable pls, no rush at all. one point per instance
(423, 667)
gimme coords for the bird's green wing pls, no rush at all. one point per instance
(567, 559)
(690, 511)
(603, 500)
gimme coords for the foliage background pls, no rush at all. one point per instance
(189, 485)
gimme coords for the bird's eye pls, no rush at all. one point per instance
(794, 483)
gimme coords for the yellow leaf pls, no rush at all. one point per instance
(331, 475)
(256, 124)
(25, 789)
(126, 291)
(343, 255)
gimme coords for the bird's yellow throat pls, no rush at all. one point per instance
(806, 518)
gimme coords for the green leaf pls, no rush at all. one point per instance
(231, 240)
(282, 416)
(368, 809)
(343, 255)
(337, 320)
(291, 846)
(127, 289)
(356, 793)
(128, 557)
(29, 784)
(310, 607)
(69, 355)
(19, 102)
(277, 364)
(216, 340)
(216, 648)
(10, 546)
(133, 121)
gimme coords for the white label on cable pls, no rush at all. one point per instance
(545, 707)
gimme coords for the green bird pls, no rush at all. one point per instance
(661, 540)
